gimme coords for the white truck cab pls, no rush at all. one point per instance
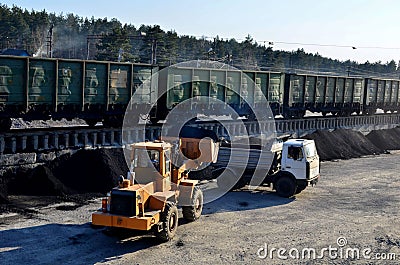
(300, 158)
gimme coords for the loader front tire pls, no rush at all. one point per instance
(168, 222)
(193, 211)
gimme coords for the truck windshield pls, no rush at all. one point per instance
(310, 150)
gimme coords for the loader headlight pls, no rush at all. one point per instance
(104, 205)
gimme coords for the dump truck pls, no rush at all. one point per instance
(289, 166)
(148, 197)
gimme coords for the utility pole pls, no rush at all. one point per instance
(153, 51)
(50, 42)
(87, 48)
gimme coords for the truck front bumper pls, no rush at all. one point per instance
(308, 182)
(314, 181)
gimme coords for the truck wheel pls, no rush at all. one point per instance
(300, 188)
(193, 212)
(169, 222)
(285, 187)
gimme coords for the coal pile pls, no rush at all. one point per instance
(86, 171)
(252, 142)
(91, 170)
(38, 181)
(343, 144)
(386, 139)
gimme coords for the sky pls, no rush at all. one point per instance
(330, 28)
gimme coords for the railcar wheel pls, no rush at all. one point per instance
(113, 121)
(5, 124)
(251, 117)
(91, 122)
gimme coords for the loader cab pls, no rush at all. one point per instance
(151, 160)
(300, 158)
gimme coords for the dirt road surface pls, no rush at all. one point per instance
(354, 206)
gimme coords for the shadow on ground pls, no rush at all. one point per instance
(85, 244)
(242, 200)
(68, 244)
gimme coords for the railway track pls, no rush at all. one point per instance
(53, 139)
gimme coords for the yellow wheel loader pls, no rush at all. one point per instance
(148, 198)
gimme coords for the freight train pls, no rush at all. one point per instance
(43, 88)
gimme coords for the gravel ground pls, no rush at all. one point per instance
(356, 199)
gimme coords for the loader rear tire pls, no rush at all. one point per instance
(169, 222)
(193, 211)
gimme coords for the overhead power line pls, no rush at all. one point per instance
(335, 45)
(271, 43)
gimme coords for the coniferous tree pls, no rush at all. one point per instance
(104, 39)
(115, 46)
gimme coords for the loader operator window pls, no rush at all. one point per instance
(295, 153)
(167, 155)
(147, 158)
(155, 158)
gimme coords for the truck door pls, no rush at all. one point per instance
(294, 162)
